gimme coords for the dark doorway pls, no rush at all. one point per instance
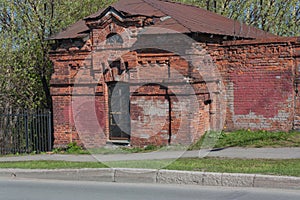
(119, 111)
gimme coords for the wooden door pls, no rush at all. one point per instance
(119, 111)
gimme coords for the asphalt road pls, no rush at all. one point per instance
(14, 189)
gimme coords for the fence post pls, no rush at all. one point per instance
(26, 130)
(49, 131)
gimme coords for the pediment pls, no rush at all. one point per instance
(107, 16)
(111, 14)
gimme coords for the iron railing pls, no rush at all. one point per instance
(25, 132)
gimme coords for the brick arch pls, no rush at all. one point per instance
(114, 38)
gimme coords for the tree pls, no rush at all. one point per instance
(276, 16)
(25, 25)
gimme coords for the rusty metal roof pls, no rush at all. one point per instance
(77, 30)
(133, 7)
(196, 19)
(176, 16)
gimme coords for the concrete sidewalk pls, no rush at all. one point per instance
(248, 153)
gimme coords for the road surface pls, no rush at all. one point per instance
(15, 189)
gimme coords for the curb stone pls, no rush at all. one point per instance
(238, 180)
(125, 175)
(285, 182)
(131, 175)
(101, 175)
(179, 177)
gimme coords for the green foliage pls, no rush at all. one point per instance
(151, 148)
(72, 148)
(248, 138)
(132, 149)
(212, 139)
(275, 16)
(287, 167)
(125, 150)
(148, 148)
(208, 140)
(25, 68)
(44, 164)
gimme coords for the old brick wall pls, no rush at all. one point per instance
(78, 85)
(259, 80)
(164, 108)
(174, 98)
(65, 68)
(74, 99)
(297, 84)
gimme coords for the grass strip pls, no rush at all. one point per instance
(248, 138)
(289, 167)
(240, 138)
(44, 164)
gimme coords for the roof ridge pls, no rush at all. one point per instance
(186, 18)
(146, 1)
(211, 12)
(190, 5)
(198, 7)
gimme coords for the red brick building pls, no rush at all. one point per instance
(157, 72)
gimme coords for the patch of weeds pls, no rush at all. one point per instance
(128, 149)
(208, 140)
(151, 148)
(33, 153)
(72, 148)
(106, 151)
(148, 148)
(131, 149)
(248, 138)
(58, 150)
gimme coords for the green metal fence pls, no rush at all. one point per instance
(25, 132)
